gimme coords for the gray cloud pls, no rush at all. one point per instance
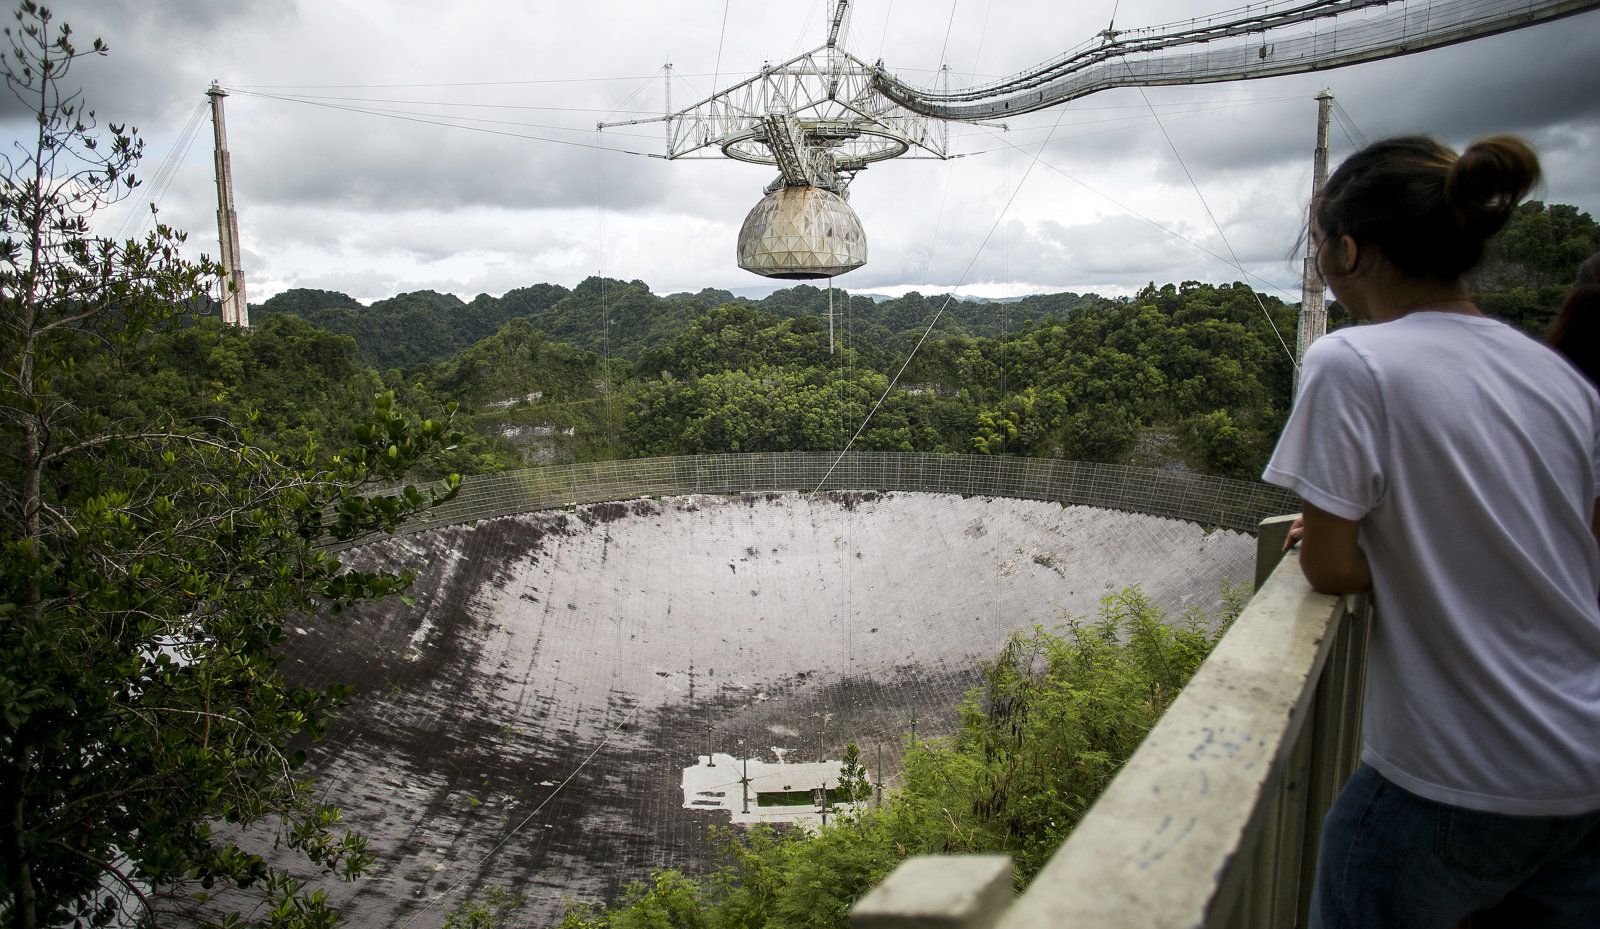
(327, 195)
(163, 53)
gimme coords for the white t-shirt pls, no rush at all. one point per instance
(1469, 453)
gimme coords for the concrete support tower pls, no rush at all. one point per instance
(1313, 308)
(235, 310)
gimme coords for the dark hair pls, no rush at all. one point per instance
(1428, 210)
(1576, 330)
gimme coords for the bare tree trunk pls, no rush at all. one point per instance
(24, 910)
(24, 905)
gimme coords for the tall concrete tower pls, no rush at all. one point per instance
(235, 309)
(1313, 305)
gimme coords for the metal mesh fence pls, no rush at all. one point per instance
(1210, 501)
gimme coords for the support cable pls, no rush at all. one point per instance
(1116, 123)
(849, 514)
(447, 125)
(1220, 234)
(609, 395)
(935, 320)
(845, 513)
(1152, 223)
(944, 48)
(944, 196)
(647, 82)
(800, 38)
(458, 103)
(884, 38)
(949, 174)
(938, 222)
(475, 119)
(1347, 124)
(994, 604)
(716, 71)
(161, 181)
(561, 80)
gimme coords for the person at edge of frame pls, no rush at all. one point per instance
(1449, 464)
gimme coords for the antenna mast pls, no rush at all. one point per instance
(235, 309)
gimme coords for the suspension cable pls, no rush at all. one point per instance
(447, 125)
(161, 180)
(1154, 224)
(935, 320)
(1220, 234)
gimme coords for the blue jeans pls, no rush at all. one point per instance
(1393, 860)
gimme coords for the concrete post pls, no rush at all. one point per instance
(235, 309)
(1274, 530)
(938, 892)
(1313, 299)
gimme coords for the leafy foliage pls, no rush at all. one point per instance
(1529, 267)
(516, 363)
(153, 551)
(491, 912)
(1546, 242)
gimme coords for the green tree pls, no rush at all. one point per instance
(149, 563)
(853, 779)
(491, 912)
(1024, 424)
(1224, 448)
(1548, 241)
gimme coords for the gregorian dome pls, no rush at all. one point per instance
(802, 233)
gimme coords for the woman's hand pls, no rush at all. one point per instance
(1296, 530)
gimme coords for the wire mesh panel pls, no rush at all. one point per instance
(1204, 499)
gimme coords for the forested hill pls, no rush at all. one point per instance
(1522, 278)
(1198, 364)
(1191, 375)
(410, 329)
(419, 328)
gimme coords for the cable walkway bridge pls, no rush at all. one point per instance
(1258, 41)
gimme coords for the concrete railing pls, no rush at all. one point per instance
(1213, 501)
(1214, 820)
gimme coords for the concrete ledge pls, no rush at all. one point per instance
(939, 892)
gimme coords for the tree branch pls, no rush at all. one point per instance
(114, 871)
(139, 437)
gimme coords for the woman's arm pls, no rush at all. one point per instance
(1331, 556)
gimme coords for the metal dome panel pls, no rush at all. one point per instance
(802, 233)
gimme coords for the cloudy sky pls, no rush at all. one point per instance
(378, 205)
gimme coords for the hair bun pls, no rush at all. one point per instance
(1488, 181)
